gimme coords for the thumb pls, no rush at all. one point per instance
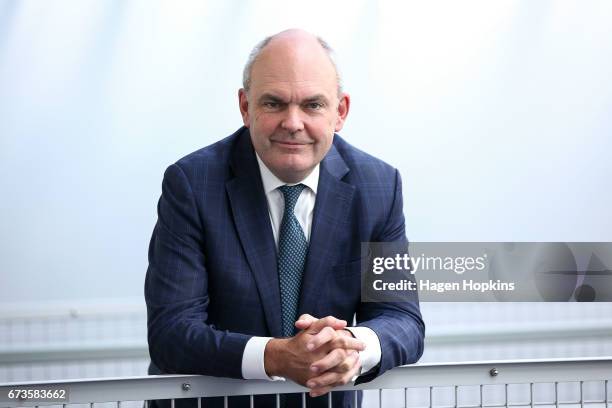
(330, 321)
(304, 321)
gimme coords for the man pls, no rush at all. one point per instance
(259, 236)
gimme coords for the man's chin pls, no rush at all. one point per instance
(292, 173)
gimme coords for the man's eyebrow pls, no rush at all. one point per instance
(271, 97)
(315, 98)
(275, 98)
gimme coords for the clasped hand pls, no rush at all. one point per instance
(321, 356)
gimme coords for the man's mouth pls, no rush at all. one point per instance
(290, 143)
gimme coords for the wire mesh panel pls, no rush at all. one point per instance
(576, 383)
(545, 395)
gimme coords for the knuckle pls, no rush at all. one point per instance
(333, 380)
(337, 356)
(340, 343)
(338, 383)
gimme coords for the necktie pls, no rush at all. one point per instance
(292, 248)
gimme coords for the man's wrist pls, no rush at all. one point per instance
(271, 357)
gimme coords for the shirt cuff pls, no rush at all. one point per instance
(253, 364)
(370, 357)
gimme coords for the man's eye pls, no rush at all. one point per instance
(271, 105)
(314, 105)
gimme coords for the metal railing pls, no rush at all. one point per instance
(465, 381)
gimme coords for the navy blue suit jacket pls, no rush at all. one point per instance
(212, 280)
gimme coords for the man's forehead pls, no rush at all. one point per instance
(294, 90)
(292, 68)
(292, 78)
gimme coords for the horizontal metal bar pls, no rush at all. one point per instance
(100, 308)
(524, 331)
(415, 376)
(508, 372)
(74, 351)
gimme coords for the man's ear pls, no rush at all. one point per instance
(343, 110)
(243, 103)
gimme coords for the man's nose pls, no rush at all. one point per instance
(292, 121)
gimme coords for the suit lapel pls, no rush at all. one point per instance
(250, 211)
(334, 198)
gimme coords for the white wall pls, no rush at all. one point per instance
(496, 113)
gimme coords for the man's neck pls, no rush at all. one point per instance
(271, 180)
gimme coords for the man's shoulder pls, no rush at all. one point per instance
(209, 168)
(216, 155)
(363, 167)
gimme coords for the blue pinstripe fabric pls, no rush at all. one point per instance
(292, 249)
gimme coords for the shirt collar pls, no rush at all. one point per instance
(271, 182)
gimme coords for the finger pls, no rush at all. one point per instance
(346, 365)
(324, 336)
(304, 321)
(327, 379)
(319, 391)
(354, 372)
(332, 379)
(331, 360)
(330, 321)
(346, 342)
(349, 375)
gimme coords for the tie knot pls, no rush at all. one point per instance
(291, 194)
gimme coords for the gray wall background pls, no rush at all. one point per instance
(496, 113)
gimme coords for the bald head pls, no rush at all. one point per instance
(292, 46)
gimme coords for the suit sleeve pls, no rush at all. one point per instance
(398, 325)
(176, 291)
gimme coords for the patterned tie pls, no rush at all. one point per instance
(292, 248)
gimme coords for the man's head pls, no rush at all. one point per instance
(292, 102)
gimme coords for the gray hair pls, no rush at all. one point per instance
(248, 68)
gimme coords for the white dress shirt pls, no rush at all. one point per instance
(253, 357)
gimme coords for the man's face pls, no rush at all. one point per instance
(292, 108)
